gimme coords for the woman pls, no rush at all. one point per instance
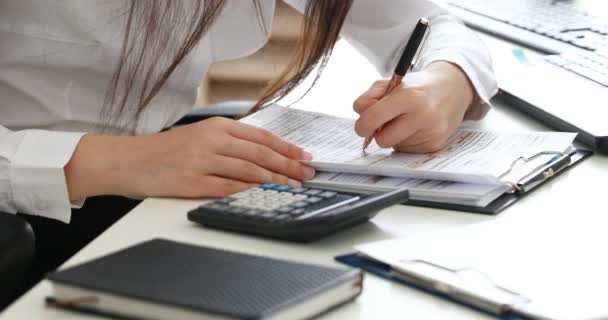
(86, 88)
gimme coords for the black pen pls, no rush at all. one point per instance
(405, 62)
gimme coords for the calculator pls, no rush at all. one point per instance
(294, 214)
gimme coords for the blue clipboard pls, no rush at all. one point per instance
(384, 271)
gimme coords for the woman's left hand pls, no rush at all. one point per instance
(420, 114)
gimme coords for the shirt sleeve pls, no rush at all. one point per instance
(32, 180)
(380, 29)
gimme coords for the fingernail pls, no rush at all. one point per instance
(306, 155)
(309, 172)
(294, 183)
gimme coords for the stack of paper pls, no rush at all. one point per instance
(474, 168)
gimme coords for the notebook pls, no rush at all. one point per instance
(162, 279)
(503, 267)
(473, 170)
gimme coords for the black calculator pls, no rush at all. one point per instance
(295, 214)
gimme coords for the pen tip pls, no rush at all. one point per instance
(366, 143)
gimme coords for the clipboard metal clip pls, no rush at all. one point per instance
(541, 173)
(467, 285)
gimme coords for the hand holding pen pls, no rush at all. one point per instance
(405, 63)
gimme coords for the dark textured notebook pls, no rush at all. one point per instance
(162, 279)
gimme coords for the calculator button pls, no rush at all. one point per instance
(268, 214)
(285, 209)
(269, 205)
(256, 195)
(285, 203)
(313, 192)
(240, 195)
(297, 212)
(300, 197)
(269, 186)
(299, 190)
(313, 199)
(300, 204)
(283, 188)
(236, 210)
(328, 194)
(253, 212)
(216, 206)
(226, 200)
(256, 192)
(285, 194)
(282, 217)
(241, 203)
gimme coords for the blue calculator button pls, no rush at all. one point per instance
(269, 186)
(283, 188)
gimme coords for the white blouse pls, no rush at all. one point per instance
(57, 57)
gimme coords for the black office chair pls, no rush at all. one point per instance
(17, 247)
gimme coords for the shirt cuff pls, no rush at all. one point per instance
(36, 173)
(485, 85)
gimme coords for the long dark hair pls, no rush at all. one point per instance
(159, 34)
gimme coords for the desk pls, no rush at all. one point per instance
(557, 203)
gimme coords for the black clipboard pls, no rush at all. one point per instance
(508, 199)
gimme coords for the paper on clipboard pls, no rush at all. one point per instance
(470, 156)
(538, 272)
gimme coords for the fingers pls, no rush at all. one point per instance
(267, 158)
(421, 143)
(370, 97)
(398, 130)
(385, 111)
(423, 147)
(268, 139)
(246, 171)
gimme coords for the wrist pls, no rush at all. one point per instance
(100, 165)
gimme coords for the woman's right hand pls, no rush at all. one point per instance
(211, 158)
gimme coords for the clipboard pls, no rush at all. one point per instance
(384, 271)
(512, 273)
(521, 188)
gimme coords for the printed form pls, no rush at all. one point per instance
(470, 194)
(470, 156)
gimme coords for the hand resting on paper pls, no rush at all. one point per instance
(421, 113)
(211, 158)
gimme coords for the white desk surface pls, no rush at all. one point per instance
(574, 199)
